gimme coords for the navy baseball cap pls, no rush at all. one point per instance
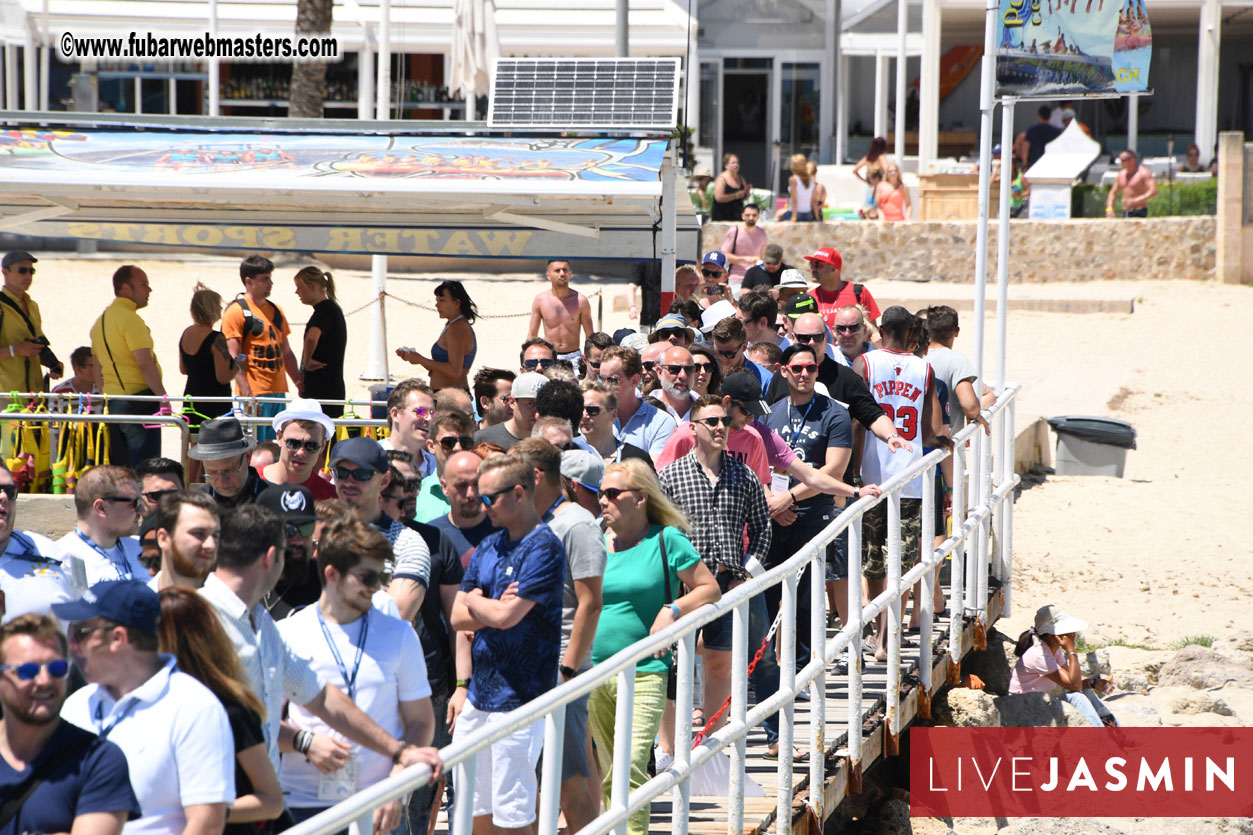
(17, 256)
(716, 258)
(128, 602)
(364, 452)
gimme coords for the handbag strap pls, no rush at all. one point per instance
(665, 567)
(37, 777)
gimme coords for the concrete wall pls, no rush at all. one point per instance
(1074, 250)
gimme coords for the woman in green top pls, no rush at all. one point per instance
(634, 606)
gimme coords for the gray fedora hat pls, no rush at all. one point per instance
(220, 438)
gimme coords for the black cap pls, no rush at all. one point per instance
(743, 388)
(17, 256)
(621, 334)
(294, 502)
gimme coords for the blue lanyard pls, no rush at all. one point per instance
(349, 681)
(104, 732)
(123, 570)
(548, 514)
(804, 417)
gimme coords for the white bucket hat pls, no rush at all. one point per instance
(1051, 620)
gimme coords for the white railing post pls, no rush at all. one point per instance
(818, 689)
(957, 565)
(998, 478)
(683, 729)
(963, 479)
(787, 683)
(739, 714)
(1007, 518)
(929, 579)
(621, 789)
(858, 617)
(894, 613)
(463, 802)
(550, 785)
(983, 448)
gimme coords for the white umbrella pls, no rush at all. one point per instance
(475, 46)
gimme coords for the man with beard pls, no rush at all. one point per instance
(343, 625)
(225, 451)
(188, 532)
(157, 476)
(676, 372)
(466, 523)
(745, 243)
(563, 311)
(492, 387)
(649, 358)
(172, 729)
(303, 431)
(85, 782)
(105, 501)
(298, 585)
(31, 575)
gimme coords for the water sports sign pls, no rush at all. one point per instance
(1072, 48)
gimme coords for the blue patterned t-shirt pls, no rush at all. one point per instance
(513, 666)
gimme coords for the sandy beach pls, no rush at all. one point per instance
(1158, 555)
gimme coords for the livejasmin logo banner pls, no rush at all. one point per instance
(1081, 772)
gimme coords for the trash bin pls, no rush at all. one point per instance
(1092, 445)
(379, 392)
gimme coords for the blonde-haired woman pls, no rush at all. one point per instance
(649, 556)
(205, 359)
(326, 339)
(892, 195)
(801, 188)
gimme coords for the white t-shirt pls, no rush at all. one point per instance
(121, 562)
(32, 576)
(177, 742)
(393, 670)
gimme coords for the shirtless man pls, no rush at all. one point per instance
(1136, 183)
(564, 311)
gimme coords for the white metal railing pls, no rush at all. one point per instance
(991, 511)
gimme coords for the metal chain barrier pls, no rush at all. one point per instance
(431, 309)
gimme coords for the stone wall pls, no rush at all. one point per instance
(1070, 250)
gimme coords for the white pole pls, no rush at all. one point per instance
(902, 23)
(365, 75)
(929, 87)
(841, 112)
(384, 92)
(669, 222)
(10, 77)
(139, 95)
(1002, 244)
(31, 94)
(45, 59)
(881, 94)
(215, 66)
(376, 368)
(621, 29)
(987, 101)
(1209, 43)
(832, 73)
(1133, 121)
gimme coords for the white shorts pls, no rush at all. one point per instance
(505, 786)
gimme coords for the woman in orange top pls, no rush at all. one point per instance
(892, 196)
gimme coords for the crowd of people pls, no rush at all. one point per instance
(240, 648)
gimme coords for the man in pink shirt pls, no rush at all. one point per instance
(745, 244)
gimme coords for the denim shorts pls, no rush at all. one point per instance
(717, 633)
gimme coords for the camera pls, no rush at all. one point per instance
(46, 358)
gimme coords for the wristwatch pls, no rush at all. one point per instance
(567, 672)
(856, 493)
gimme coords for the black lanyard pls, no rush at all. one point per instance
(123, 570)
(804, 418)
(350, 682)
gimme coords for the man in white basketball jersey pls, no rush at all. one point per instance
(904, 387)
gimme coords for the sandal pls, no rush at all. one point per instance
(698, 717)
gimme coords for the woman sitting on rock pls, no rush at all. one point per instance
(1042, 665)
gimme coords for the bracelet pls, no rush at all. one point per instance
(791, 495)
(302, 742)
(674, 608)
(463, 682)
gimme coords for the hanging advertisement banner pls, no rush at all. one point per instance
(1066, 50)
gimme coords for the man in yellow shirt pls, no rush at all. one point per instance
(127, 365)
(21, 328)
(255, 327)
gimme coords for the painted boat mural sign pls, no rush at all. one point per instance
(1072, 48)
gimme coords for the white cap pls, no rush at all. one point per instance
(528, 385)
(303, 408)
(715, 314)
(793, 278)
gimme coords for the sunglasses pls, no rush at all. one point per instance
(134, 501)
(595, 365)
(451, 442)
(806, 338)
(28, 672)
(79, 633)
(803, 368)
(531, 364)
(711, 274)
(848, 328)
(781, 327)
(613, 381)
(24, 271)
(703, 367)
(489, 499)
(612, 493)
(308, 446)
(649, 365)
(154, 496)
(732, 353)
(712, 422)
(9, 490)
(592, 411)
(360, 476)
(676, 370)
(400, 455)
(304, 529)
(369, 579)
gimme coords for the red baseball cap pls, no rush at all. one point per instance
(827, 255)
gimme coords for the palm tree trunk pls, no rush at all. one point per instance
(308, 78)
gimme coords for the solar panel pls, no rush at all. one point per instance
(585, 93)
